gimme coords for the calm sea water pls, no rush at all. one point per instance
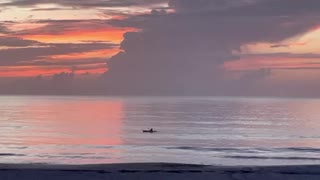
(212, 130)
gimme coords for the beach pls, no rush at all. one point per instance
(156, 171)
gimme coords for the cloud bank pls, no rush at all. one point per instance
(183, 52)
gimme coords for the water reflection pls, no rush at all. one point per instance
(60, 129)
(71, 121)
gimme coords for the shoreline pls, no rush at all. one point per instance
(156, 171)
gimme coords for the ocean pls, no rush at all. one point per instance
(199, 130)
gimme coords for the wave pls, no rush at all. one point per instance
(203, 148)
(309, 137)
(22, 147)
(10, 154)
(101, 147)
(208, 149)
(301, 149)
(272, 157)
(248, 150)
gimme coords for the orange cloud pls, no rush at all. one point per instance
(114, 35)
(86, 55)
(254, 63)
(30, 71)
(33, 71)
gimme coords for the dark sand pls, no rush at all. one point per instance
(155, 171)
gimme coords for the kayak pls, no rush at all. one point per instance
(148, 131)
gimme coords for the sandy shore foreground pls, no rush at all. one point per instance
(155, 171)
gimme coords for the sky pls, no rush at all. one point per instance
(160, 47)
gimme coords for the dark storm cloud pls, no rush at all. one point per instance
(233, 30)
(207, 5)
(281, 8)
(249, 7)
(182, 52)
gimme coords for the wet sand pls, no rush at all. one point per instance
(155, 171)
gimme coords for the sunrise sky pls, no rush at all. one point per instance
(201, 46)
(43, 37)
